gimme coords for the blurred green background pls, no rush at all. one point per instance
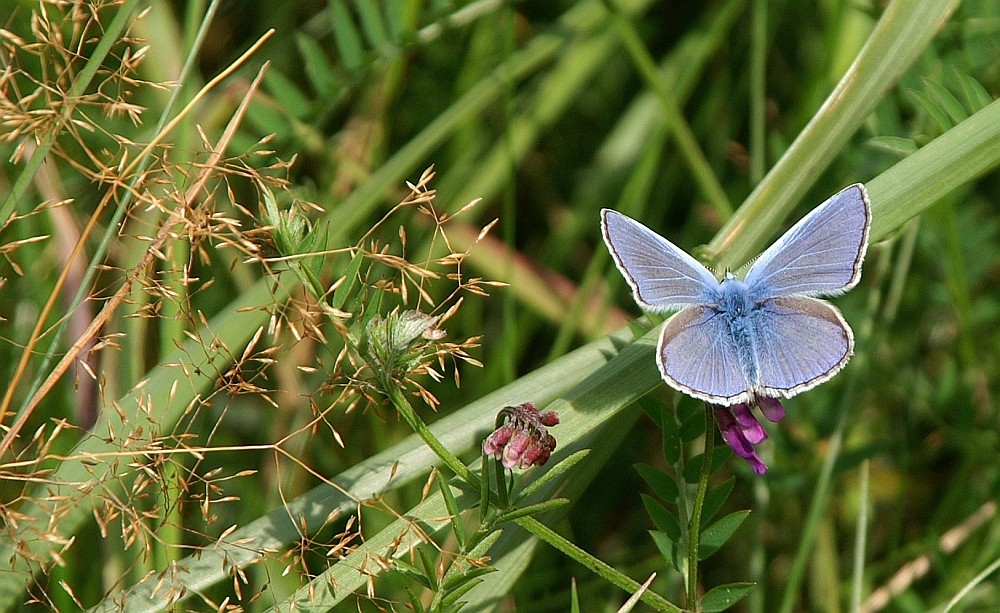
(682, 114)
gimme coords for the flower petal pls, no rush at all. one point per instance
(751, 429)
(756, 464)
(771, 408)
(735, 434)
(549, 418)
(732, 433)
(495, 441)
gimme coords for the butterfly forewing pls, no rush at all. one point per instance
(800, 342)
(662, 276)
(822, 254)
(696, 355)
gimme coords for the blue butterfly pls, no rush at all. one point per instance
(736, 341)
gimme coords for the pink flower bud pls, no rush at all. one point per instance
(522, 440)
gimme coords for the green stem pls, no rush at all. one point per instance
(420, 428)
(694, 533)
(503, 489)
(528, 523)
(617, 578)
(758, 90)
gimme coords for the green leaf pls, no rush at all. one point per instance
(974, 94)
(484, 489)
(414, 573)
(267, 118)
(484, 545)
(371, 23)
(430, 572)
(722, 597)
(456, 515)
(395, 15)
(662, 517)
(946, 101)
(461, 581)
(532, 509)
(450, 602)
(291, 99)
(343, 291)
(345, 36)
(460, 575)
(654, 409)
(688, 408)
(663, 485)
(565, 464)
(692, 471)
(415, 601)
(715, 498)
(924, 102)
(321, 73)
(692, 427)
(716, 535)
(669, 549)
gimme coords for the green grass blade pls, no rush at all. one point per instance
(956, 157)
(899, 37)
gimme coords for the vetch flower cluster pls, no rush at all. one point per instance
(522, 437)
(741, 430)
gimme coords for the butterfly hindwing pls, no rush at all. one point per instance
(696, 355)
(800, 343)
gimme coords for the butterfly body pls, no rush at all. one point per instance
(734, 341)
(740, 312)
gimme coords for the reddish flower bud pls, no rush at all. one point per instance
(549, 418)
(521, 439)
(495, 441)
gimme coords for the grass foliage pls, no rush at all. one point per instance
(269, 275)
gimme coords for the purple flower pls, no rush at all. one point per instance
(741, 430)
(522, 438)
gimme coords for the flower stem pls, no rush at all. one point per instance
(420, 428)
(615, 577)
(694, 532)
